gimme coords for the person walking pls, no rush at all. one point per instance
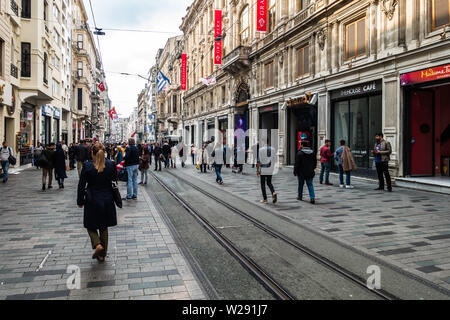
(173, 157)
(72, 156)
(193, 152)
(150, 148)
(81, 155)
(325, 162)
(59, 164)
(203, 159)
(132, 164)
(346, 164)
(36, 153)
(157, 151)
(265, 168)
(304, 170)
(47, 168)
(382, 152)
(95, 195)
(144, 166)
(6, 154)
(166, 153)
(219, 159)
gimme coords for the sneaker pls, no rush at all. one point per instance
(274, 198)
(313, 201)
(341, 186)
(349, 187)
(220, 182)
(328, 184)
(145, 183)
(140, 183)
(263, 201)
(299, 199)
(50, 187)
(320, 182)
(134, 197)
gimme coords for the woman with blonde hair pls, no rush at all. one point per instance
(95, 194)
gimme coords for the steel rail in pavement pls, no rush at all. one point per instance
(252, 267)
(316, 256)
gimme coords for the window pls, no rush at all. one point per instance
(45, 10)
(272, 14)
(26, 60)
(223, 94)
(26, 9)
(55, 87)
(174, 105)
(80, 99)
(56, 37)
(244, 27)
(1, 56)
(303, 61)
(80, 69)
(440, 14)
(56, 12)
(80, 41)
(56, 62)
(269, 74)
(302, 4)
(356, 39)
(45, 64)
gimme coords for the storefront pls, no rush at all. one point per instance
(268, 120)
(27, 135)
(210, 127)
(56, 124)
(357, 115)
(46, 124)
(301, 124)
(427, 122)
(223, 127)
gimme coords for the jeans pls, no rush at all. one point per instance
(218, 168)
(132, 186)
(325, 167)
(309, 183)
(341, 176)
(383, 168)
(157, 162)
(144, 174)
(193, 159)
(166, 161)
(269, 184)
(5, 166)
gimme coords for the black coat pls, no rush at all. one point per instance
(99, 207)
(82, 153)
(59, 163)
(157, 152)
(305, 163)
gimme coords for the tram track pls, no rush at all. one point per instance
(262, 276)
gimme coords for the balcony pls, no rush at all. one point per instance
(14, 13)
(237, 60)
(14, 71)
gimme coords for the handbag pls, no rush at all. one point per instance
(116, 195)
(11, 159)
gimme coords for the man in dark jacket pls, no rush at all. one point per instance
(305, 164)
(132, 164)
(157, 151)
(382, 152)
(47, 169)
(81, 155)
(166, 151)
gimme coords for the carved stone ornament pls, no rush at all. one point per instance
(321, 38)
(388, 7)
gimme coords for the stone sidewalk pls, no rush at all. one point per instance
(407, 228)
(41, 234)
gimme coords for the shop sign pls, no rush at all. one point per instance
(47, 110)
(56, 113)
(305, 99)
(261, 16)
(5, 93)
(425, 75)
(222, 118)
(218, 37)
(269, 108)
(361, 89)
(29, 116)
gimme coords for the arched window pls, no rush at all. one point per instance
(244, 31)
(272, 15)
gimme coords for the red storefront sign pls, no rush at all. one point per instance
(430, 74)
(183, 71)
(261, 16)
(218, 37)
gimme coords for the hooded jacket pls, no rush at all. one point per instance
(305, 163)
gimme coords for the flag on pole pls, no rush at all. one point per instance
(133, 134)
(161, 81)
(113, 114)
(218, 37)
(261, 16)
(183, 71)
(101, 86)
(208, 81)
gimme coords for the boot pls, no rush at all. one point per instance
(43, 186)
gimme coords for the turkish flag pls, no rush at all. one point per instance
(261, 16)
(101, 86)
(218, 34)
(113, 114)
(183, 71)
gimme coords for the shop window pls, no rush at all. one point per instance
(440, 14)
(303, 61)
(26, 60)
(272, 15)
(244, 27)
(302, 4)
(356, 42)
(26, 9)
(268, 68)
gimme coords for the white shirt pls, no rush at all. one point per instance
(5, 152)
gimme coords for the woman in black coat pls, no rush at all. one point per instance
(59, 163)
(97, 199)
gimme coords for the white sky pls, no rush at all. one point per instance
(133, 52)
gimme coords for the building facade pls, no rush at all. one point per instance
(326, 70)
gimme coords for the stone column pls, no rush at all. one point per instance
(415, 19)
(312, 55)
(335, 47)
(373, 28)
(282, 148)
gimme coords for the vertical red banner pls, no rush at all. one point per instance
(217, 34)
(183, 71)
(261, 16)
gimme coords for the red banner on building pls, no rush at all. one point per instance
(183, 71)
(101, 86)
(218, 37)
(429, 74)
(261, 16)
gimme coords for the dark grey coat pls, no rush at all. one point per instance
(99, 206)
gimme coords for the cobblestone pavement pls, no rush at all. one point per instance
(41, 234)
(407, 228)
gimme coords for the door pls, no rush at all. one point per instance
(422, 128)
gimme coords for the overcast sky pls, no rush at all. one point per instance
(133, 52)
